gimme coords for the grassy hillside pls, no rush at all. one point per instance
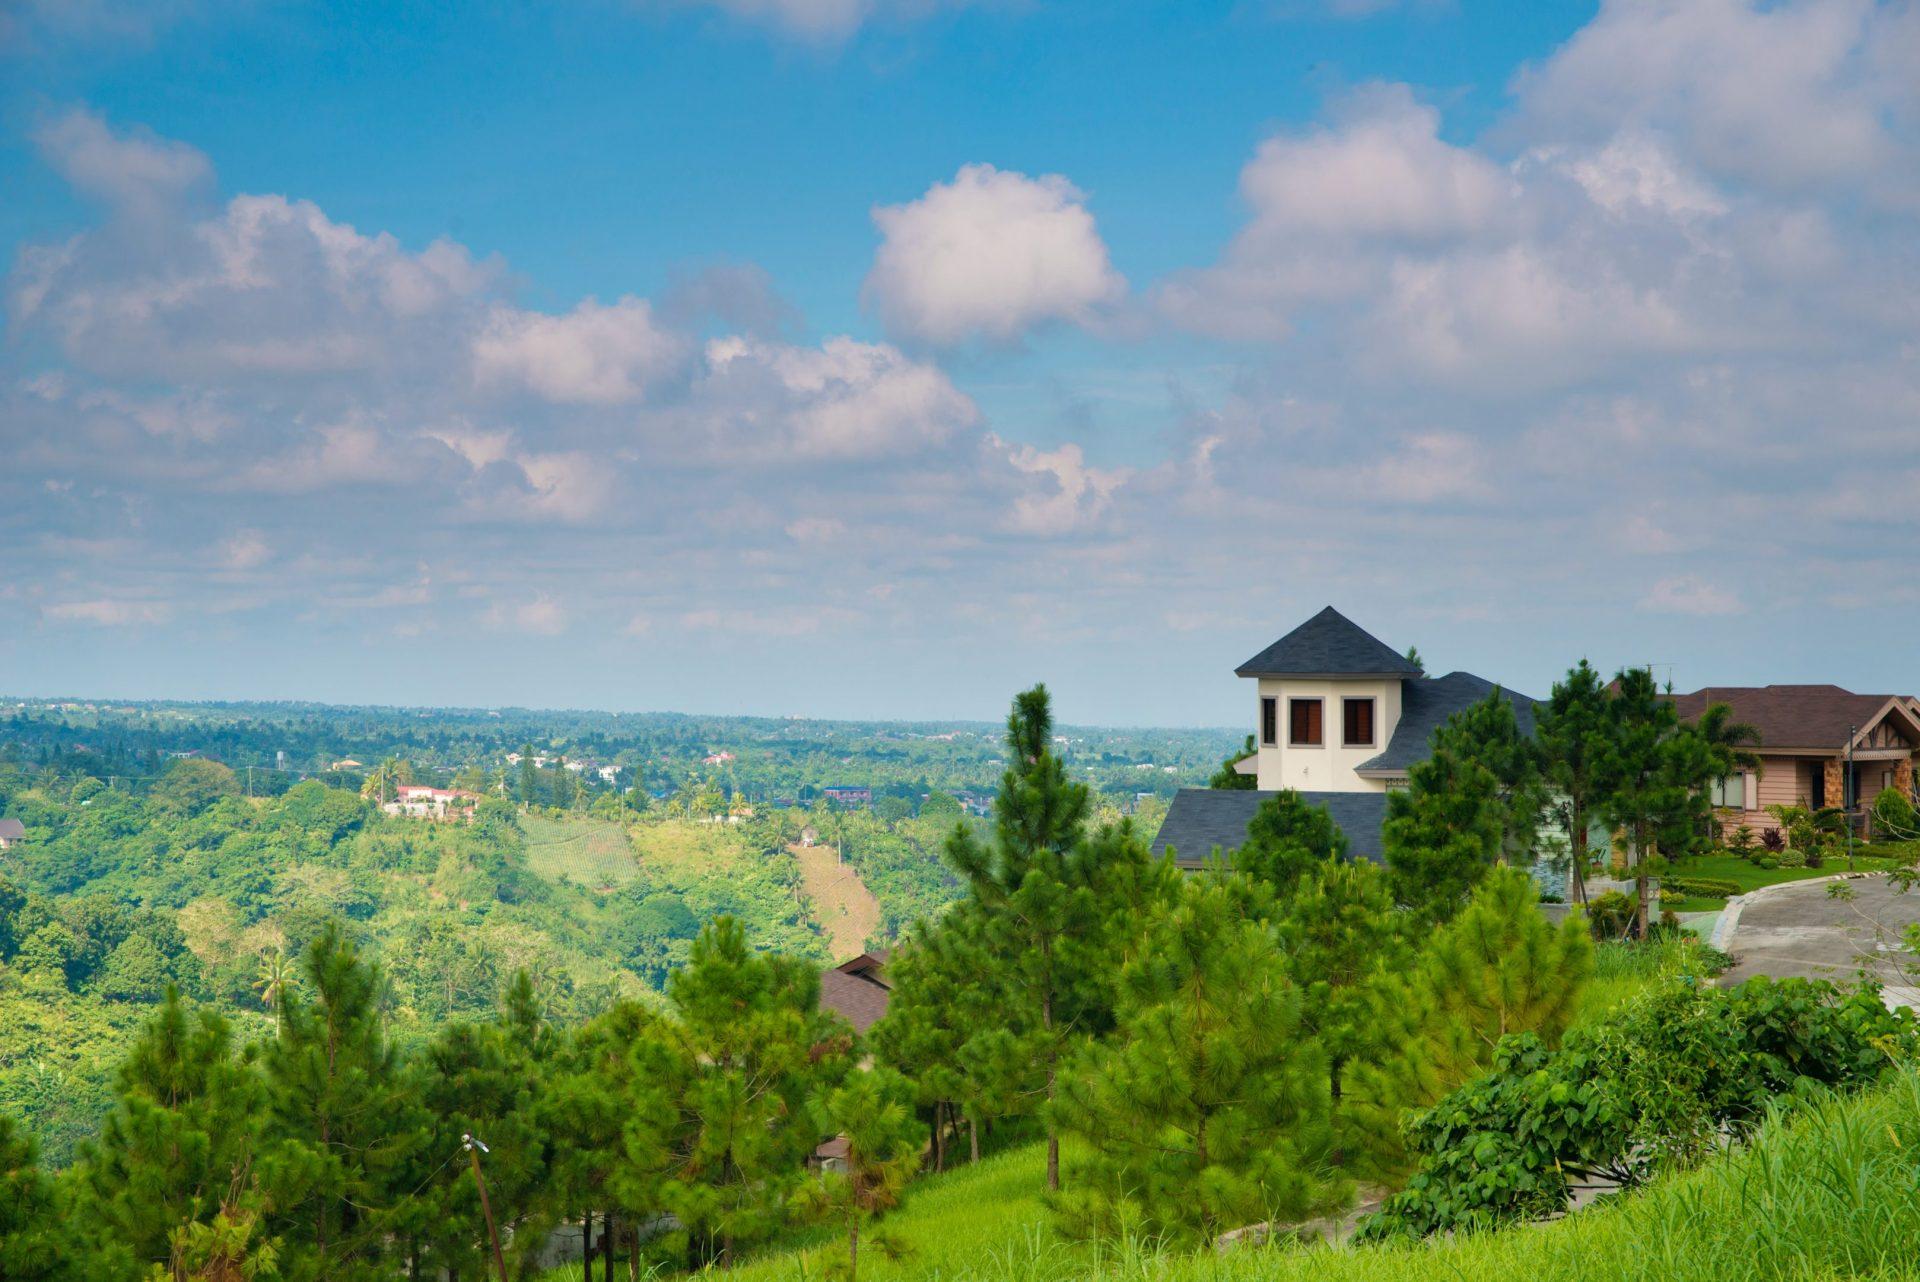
(1829, 1191)
(594, 853)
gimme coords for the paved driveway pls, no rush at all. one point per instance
(1797, 929)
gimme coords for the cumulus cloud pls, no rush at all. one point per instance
(136, 169)
(1069, 494)
(991, 255)
(593, 355)
(1784, 94)
(843, 399)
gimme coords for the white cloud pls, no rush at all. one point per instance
(1689, 594)
(843, 399)
(1070, 496)
(133, 170)
(245, 550)
(593, 355)
(824, 22)
(816, 529)
(540, 616)
(991, 254)
(1787, 94)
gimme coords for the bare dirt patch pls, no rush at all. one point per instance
(842, 904)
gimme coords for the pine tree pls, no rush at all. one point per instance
(1498, 967)
(484, 1080)
(938, 1004)
(1206, 1109)
(1343, 939)
(1033, 884)
(758, 1047)
(1488, 733)
(342, 1114)
(32, 1246)
(1287, 838)
(873, 1111)
(179, 1147)
(1571, 730)
(1656, 773)
(1442, 833)
(611, 1111)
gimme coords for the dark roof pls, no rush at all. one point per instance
(861, 1002)
(1201, 818)
(1813, 716)
(1425, 706)
(870, 966)
(12, 829)
(1328, 645)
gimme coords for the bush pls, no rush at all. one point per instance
(1663, 1085)
(1773, 839)
(1792, 857)
(1742, 842)
(1608, 915)
(1769, 862)
(1702, 887)
(1893, 816)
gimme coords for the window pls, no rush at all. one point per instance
(1269, 721)
(1358, 717)
(1729, 793)
(1303, 723)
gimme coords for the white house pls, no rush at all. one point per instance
(1339, 716)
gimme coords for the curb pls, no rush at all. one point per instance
(1730, 915)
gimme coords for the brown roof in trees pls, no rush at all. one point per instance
(861, 1002)
(1810, 716)
(12, 830)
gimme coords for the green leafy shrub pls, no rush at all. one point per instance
(1768, 862)
(1792, 857)
(1609, 913)
(1741, 842)
(1893, 816)
(1661, 1086)
(1702, 887)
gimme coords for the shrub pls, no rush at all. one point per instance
(1608, 914)
(1769, 862)
(1893, 816)
(1742, 842)
(1792, 857)
(1702, 887)
(1661, 1086)
(1774, 839)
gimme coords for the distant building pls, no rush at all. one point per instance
(848, 795)
(419, 801)
(346, 763)
(11, 831)
(857, 990)
(720, 758)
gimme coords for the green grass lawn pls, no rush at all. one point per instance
(1750, 876)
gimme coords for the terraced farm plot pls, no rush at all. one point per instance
(590, 852)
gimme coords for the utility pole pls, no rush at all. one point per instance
(474, 1149)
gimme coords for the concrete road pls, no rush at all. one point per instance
(1799, 929)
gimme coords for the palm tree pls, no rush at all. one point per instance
(276, 973)
(1723, 734)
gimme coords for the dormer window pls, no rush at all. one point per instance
(1304, 729)
(1357, 723)
(1269, 722)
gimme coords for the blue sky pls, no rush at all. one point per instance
(877, 357)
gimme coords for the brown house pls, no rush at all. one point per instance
(1819, 746)
(857, 990)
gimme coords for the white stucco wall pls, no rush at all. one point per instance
(1329, 768)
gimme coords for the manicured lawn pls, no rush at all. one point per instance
(1750, 876)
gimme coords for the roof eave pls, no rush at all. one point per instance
(1247, 671)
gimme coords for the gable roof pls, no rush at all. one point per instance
(1201, 818)
(1799, 716)
(1425, 706)
(12, 830)
(1328, 645)
(861, 1002)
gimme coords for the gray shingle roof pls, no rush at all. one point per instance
(1425, 706)
(1330, 645)
(1202, 818)
(12, 830)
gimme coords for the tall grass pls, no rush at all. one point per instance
(1622, 969)
(1828, 1189)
